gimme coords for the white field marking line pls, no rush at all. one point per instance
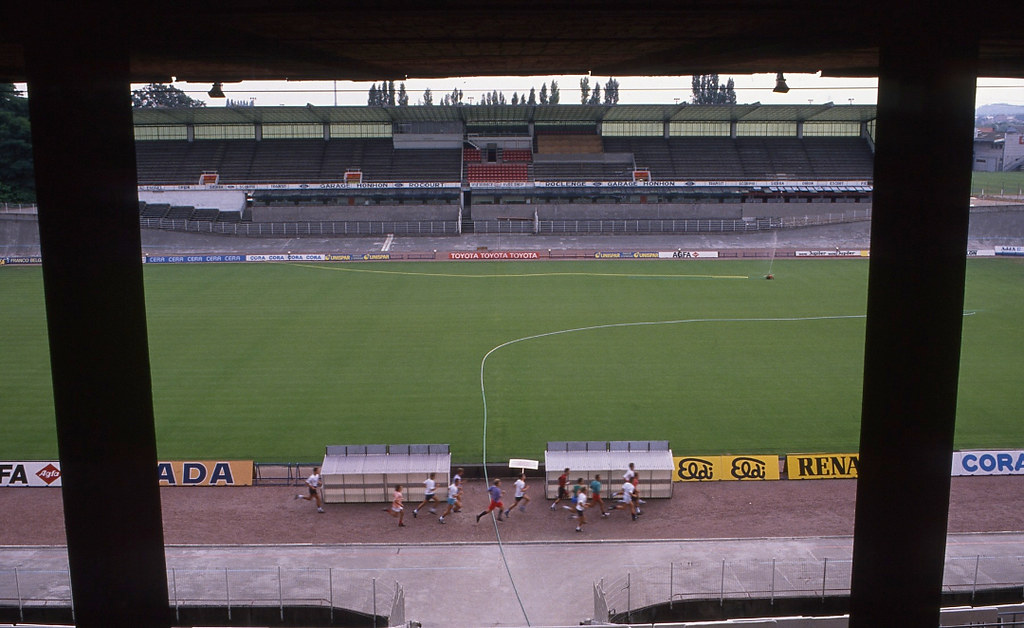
(387, 243)
(483, 390)
(515, 275)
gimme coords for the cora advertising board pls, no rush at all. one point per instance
(180, 473)
(989, 462)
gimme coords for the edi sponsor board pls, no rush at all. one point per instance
(687, 254)
(30, 473)
(821, 466)
(473, 255)
(989, 462)
(725, 468)
(205, 473)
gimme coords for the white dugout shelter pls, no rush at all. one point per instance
(369, 473)
(610, 459)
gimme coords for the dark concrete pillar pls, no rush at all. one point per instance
(915, 306)
(79, 103)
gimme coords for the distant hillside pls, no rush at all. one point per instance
(1001, 109)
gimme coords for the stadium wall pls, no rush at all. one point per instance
(224, 200)
(659, 211)
(347, 213)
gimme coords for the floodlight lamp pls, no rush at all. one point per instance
(216, 91)
(780, 84)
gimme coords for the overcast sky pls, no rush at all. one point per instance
(804, 89)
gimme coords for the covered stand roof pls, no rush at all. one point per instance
(236, 40)
(505, 114)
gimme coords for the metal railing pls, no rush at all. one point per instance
(453, 227)
(281, 473)
(771, 579)
(830, 218)
(18, 208)
(298, 229)
(329, 588)
(689, 225)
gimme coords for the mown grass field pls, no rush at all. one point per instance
(997, 183)
(274, 361)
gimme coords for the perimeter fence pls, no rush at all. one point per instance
(453, 227)
(773, 579)
(233, 590)
(299, 229)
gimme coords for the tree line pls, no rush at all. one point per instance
(705, 90)
(17, 179)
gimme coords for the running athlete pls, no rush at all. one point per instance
(521, 495)
(495, 494)
(454, 497)
(429, 496)
(397, 510)
(563, 482)
(313, 483)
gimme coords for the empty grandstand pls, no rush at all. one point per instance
(528, 169)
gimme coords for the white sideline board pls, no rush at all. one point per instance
(523, 463)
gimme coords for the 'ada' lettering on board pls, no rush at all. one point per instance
(196, 474)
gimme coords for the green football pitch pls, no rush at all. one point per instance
(274, 361)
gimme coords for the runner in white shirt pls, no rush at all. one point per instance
(313, 486)
(454, 495)
(626, 502)
(429, 496)
(520, 495)
(581, 503)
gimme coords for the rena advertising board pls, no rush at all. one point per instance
(725, 468)
(183, 473)
(989, 462)
(821, 466)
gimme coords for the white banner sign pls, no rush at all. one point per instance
(686, 254)
(989, 462)
(30, 473)
(287, 257)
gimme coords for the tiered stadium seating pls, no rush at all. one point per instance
(180, 212)
(290, 161)
(497, 173)
(516, 154)
(839, 157)
(705, 158)
(471, 155)
(584, 171)
(153, 210)
(206, 214)
(744, 158)
(569, 144)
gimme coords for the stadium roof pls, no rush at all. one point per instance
(236, 40)
(506, 114)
